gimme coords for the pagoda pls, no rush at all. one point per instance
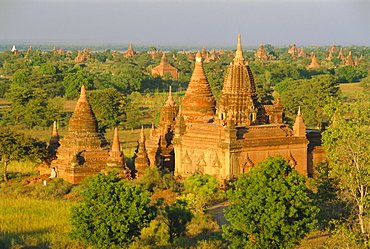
(302, 53)
(330, 56)
(164, 67)
(261, 54)
(293, 50)
(239, 97)
(83, 151)
(349, 60)
(198, 104)
(130, 52)
(314, 63)
(333, 48)
(340, 54)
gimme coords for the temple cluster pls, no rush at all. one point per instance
(223, 138)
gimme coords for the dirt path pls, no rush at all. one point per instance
(217, 211)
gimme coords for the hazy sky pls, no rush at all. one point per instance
(187, 22)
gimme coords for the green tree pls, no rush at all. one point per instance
(17, 147)
(176, 216)
(269, 207)
(32, 107)
(312, 95)
(107, 107)
(113, 212)
(74, 80)
(204, 187)
(347, 143)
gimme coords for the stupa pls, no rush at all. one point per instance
(349, 60)
(314, 63)
(83, 151)
(130, 52)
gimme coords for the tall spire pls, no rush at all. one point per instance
(83, 118)
(239, 98)
(239, 59)
(170, 101)
(141, 160)
(116, 145)
(198, 104)
(142, 135)
(54, 140)
(299, 128)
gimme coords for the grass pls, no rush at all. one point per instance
(34, 222)
(350, 91)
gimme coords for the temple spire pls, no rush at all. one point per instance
(299, 128)
(198, 104)
(239, 59)
(170, 101)
(141, 160)
(142, 135)
(83, 118)
(116, 145)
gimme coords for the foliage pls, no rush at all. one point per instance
(350, 74)
(156, 179)
(312, 95)
(203, 187)
(132, 111)
(107, 107)
(365, 83)
(32, 107)
(112, 214)
(327, 197)
(16, 147)
(347, 142)
(76, 78)
(270, 207)
(176, 216)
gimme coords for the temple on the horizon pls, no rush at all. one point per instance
(227, 137)
(165, 68)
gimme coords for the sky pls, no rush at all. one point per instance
(187, 22)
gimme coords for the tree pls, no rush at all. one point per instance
(347, 143)
(113, 212)
(269, 207)
(176, 216)
(74, 80)
(17, 147)
(107, 107)
(312, 95)
(32, 107)
(203, 187)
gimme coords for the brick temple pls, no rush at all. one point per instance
(230, 136)
(84, 151)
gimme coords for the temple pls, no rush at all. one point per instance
(165, 68)
(314, 63)
(293, 50)
(349, 60)
(261, 54)
(83, 151)
(227, 138)
(130, 52)
(340, 54)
